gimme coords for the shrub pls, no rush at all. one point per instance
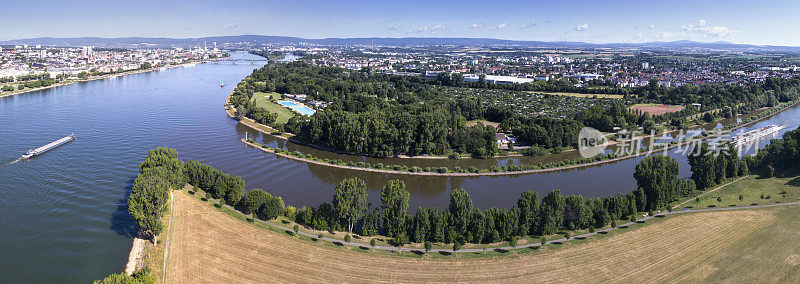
(372, 242)
(296, 228)
(542, 240)
(428, 246)
(320, 236)
(456, 246)
(347, 238)
(535, 151)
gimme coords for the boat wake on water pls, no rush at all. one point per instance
(10, 163)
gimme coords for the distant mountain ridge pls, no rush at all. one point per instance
(383, 41)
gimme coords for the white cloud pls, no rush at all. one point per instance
(429, 29)
(640, 37)
(501, 26)
(652, 28)
(475, 26)
(700, 30)
(393, 28)
(582, 27)
(529, 25)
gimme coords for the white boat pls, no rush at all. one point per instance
(756, 135)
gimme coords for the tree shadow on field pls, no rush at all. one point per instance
(795, 182)
(418, 252)
(445, 253)
(121, 222)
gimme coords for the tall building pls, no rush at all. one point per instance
(645, 65)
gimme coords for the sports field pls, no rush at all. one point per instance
(657, 109)
(209, 246)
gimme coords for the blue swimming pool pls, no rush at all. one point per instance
(304, 110)
(298, 108)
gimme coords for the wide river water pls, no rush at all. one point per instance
(63, 215)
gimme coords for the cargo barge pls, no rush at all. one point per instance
(756, 135)
(48, 147)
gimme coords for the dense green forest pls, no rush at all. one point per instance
(272, 55)
(383, 115)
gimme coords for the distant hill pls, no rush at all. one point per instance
(407, 41)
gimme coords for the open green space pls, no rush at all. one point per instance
(265, 100)
(753, 190)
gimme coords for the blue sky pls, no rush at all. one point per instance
(756, 22)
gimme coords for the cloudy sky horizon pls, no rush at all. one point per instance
(768, 22)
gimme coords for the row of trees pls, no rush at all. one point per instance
(160, 171)
(781, 156)
(657, 177)
(711, 165)
(349, 210)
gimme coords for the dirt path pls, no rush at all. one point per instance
(169, 233)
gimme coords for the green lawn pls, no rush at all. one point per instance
(263, 100)
(751, 189)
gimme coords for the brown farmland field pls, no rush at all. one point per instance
(656, 109)
(209, 246)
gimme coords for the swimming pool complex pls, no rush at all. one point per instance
(298, 108)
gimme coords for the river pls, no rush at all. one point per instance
(63, 213)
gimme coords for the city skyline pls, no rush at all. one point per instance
(582, 21)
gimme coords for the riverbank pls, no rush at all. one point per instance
(494, 171)
(136, 255)
(101, 77)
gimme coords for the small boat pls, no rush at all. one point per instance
(222, 86)
(48, 147)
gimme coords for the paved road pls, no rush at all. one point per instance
(392, 248)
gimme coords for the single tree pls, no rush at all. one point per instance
(350, 201)
(394, 203)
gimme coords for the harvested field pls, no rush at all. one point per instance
(656, 109)
(209, 246)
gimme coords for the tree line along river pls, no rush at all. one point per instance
(63, 213)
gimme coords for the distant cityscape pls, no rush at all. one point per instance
(24, 63)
